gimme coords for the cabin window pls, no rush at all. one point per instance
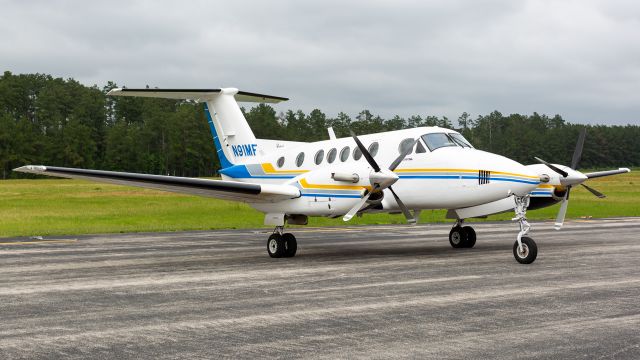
(437, 140)
(331, 155)
(405, 145)
(344, 153)
(373, 149)
(357, 153)
(319, 157)
(300, 159)
(420, 148)
(281, 161)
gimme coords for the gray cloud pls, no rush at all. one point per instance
(580, 59)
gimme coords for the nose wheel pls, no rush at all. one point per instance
(525, 249)
(462, 237)
(527, 252)
(281, 245)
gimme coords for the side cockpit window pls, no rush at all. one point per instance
(460, 140)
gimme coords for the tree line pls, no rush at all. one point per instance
(53, 121)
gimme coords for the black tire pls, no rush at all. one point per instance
(471, 236)
(457, 237)
(290, 245)
(530, 251)
(275, 246)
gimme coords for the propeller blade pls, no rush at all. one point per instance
(598, 174)
(404, 154)
(562, 212)
(577, 153)
(594, 191)
(365, 152)
(405, 211)
(553, 167)
(354, 210)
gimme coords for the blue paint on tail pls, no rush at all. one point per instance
(224, 162)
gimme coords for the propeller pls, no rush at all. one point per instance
(381, 179)
(553, 167)
(571, 179)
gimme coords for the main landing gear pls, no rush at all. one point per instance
(462, 236)
(281, 244)
(524, 249)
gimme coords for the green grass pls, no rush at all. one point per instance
(57, 207)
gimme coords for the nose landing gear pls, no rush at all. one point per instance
(525, 249)
(462, 236)
(281, 244)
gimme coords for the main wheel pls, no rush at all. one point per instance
(275, 246)
(529, 251)
(457, 237)
(471, 236)
(290, 245)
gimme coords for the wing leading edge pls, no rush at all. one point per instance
(227, 190)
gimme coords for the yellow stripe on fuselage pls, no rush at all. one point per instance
(306, 185)
(545, 186)
(269, 169)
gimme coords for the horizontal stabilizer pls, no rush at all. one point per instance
(197, 94)
(228, 190)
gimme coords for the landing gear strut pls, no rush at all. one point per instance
(524, 249)
(281, 244)
(462, 236)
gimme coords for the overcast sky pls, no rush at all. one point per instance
(579, 59)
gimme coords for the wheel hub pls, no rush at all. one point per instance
(273, 246)
(455, 237)
(524, 252)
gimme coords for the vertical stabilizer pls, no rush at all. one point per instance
(232, 136)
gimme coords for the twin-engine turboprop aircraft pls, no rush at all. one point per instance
(395, 172)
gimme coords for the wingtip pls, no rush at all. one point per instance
(31, 168)
(114, 91)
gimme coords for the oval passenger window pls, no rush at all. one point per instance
(331, 156)
(319, 157)
(373, 149)
(357, 154)
(404, 145)
(344, 153)
(300, 159)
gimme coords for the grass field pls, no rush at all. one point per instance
(57, 207)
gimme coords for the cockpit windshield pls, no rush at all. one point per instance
(438, 140)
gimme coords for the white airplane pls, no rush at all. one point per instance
(393, 172)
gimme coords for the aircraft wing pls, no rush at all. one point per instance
(227, 190)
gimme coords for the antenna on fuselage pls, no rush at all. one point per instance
(332, 134)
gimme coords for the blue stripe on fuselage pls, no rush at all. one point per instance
(464, 177)
(331, 195)
(224, 162)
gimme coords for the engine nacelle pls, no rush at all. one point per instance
(376, 197)
(558, 193)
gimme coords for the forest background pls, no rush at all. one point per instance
(55, 121)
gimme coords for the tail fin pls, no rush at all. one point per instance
(232, 136)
